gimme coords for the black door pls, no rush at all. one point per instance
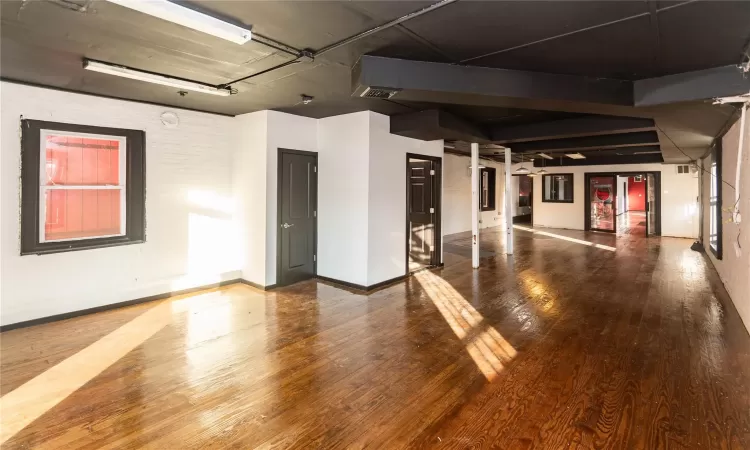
(298, 183)
(421, 212)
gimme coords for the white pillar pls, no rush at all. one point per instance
(508, 204)
(474, 205)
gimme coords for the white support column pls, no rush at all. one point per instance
(508, 204)
(474, 205)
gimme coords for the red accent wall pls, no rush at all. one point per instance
(636, 195)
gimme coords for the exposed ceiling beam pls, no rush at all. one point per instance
(579, 126)
(601, 160)
(588, 142)
(722, 81)
(377, 71)
(433, 124)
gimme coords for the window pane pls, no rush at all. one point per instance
(72, 160)
(82, 213)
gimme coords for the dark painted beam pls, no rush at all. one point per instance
(579, 126)
(588, 142)
(433, 124)
(449, 78)
(600, 160)
(723, 81)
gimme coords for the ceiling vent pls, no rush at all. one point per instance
(377, 92)
(683, 168)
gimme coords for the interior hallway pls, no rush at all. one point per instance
(632, 222)
(579, 338)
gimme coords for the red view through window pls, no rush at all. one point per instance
(82, 186)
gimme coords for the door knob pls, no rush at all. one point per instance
(287, 225)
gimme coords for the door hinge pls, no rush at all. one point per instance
(315, 214)
(315, 169)
(315, 258)
(432, 210)
(432, 171)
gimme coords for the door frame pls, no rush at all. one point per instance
(437, 186)
(657, 200)
(279, 173)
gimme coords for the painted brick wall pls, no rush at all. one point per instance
(188, 205)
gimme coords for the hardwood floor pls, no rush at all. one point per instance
(579, 340)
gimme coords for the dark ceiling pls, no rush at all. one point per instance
(43, 42)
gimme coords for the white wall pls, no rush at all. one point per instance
(249, 188)
(733, 269)
(211, 202)
(679, 205)
(387, 197)
(290, 132)
(343, 208)
(188, 209)
(457, 195)
(361, 192)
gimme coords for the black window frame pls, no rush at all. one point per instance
(547, 177)
(135, 188)
(715, 206)
(491, 188)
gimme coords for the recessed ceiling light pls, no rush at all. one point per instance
(135, 74)
(187, 17)
(545, 156)
(575, 156)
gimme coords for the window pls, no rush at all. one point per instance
(557, 188)
(487, 193)
(82, 187)
(714, 202)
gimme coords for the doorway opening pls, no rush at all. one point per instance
(423, 211)
(523, 195)
(297, 209)
(624, 203)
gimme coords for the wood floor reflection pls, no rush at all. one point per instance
(566, 344)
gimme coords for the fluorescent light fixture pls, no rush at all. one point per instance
(545, 156)
(181, 15)
(575, 156)
(135, 74)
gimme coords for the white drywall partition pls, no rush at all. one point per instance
(387, 197)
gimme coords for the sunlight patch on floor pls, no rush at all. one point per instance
(489, 350)
(565, 238)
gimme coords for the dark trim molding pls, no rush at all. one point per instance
(572, 187)
(716, 156)
(360, 287)
(256, 285)
(98, 309)
(437, 189)
(135, 191)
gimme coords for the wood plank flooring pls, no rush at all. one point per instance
(579, 340)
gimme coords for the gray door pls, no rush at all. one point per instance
(298, 183)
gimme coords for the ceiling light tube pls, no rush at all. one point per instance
(187, 17)
(575, 156)
(135, 74)
(545, 156)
